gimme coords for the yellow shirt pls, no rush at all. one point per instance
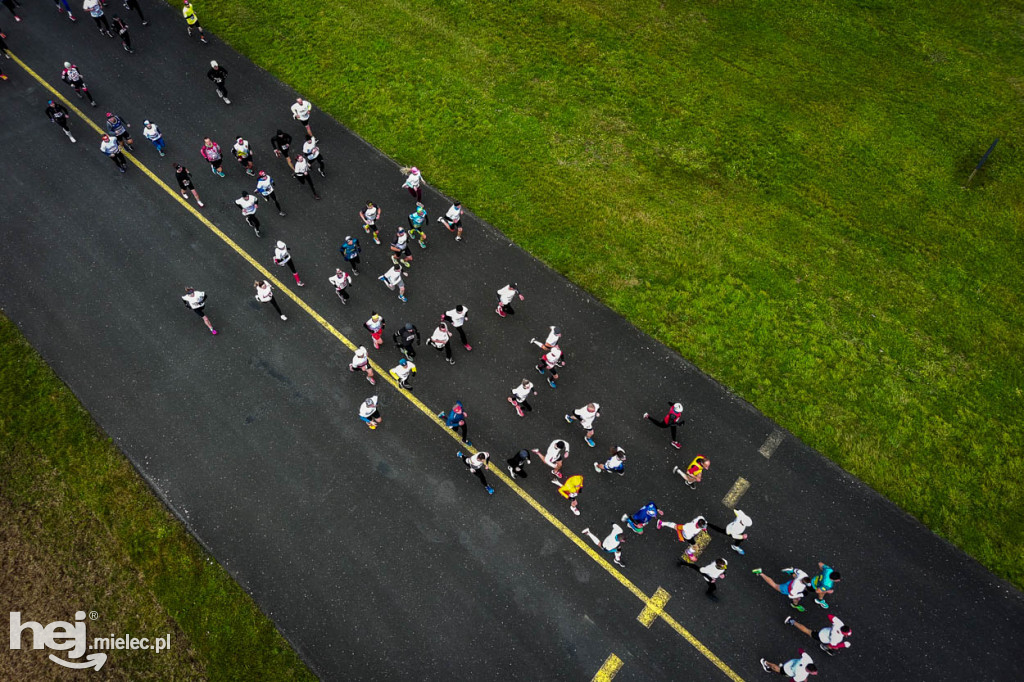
(189, 14)
(571, 487)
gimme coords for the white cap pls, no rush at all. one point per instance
(678, 407)
(213, 63)
(282, 245)
(361, 350)
(369, 401)
(67, 65)
(146, 122)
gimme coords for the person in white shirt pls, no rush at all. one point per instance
(244, 155)
(796, 669)
(616, 462)
(375, 325)
(95, 10)
(111, 148)
(341, 280)
(369, 413)
(550, 362)
(557, 453)
(283, 257)
(441, 340)
(196, 301)
(793, 589)
(506, 295)
(519, 395)
(611, 544)
(361, 362)
(586, 416)
(370, 215)
(452, 220)
(248, 204)
(301, 173)
(687, 532)
(413, 182)
(711, 572)
(402, 372)
(312, 153)
(393, 278)
(300, 112)
(554, 335)
(400, 248)
(477, 464)
(830, 639)
(265, 294)
(456, 317)
(153, 134)
(736, 530)
(265, 188)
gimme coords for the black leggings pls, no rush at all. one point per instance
(342, 294)
(462, 335)
(660, 423)
(523, 404)
(253, 221)
(479, 473)
(276, 306)
(134, 4)
(506, 307)
(273, 197)
(304, 179)
(101, 23)
(447, 349)
(461, 428)
(291, 266)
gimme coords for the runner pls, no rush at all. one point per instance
(793, 589)
(95, 10)
(456, 317)
(506, 295)
(369, 216)
(452, 220)
(642, 517)
(211, 152)
(441, 340)
(152, 133)
(192, 20)
(417, 221)
(64, 8)
(692, 474)
(585, 416)
(350, 251)
(58, 113)
(736, 530)
(672, 421)
(400, 248)
(244, 155)
(402, 372)
(369, 413)
(477, 464)
(300, 112)
(455, 419)
(830, 639)
(616, 462)
(570, 490)
(711, 572)
(553, 337)
(196, 301)
(283, 257)
(265, 294)
(406, 337)
(393, 278)
(687, 532)
(797, 669)
(218, 75)
(823, 583)
(519, 395)
(282, 142)
(361, 362)
(134, 5)
(185, 185)
(122, 32)
(313, 155)
(111, 148)
(516, 463)
(73, 77)
(248, 204)
(611, 544)
(375, 325)
(555, 456)
(301, 173)
(117, 128)
(341, 280)
(265, 188)
(550, 362)
(413, 182)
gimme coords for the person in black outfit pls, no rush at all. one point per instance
(134, 5)
(516, 463)
(282, 142)
(185, 185)
(218, 74)
(406, 337)
(58, 114)
(122, 32)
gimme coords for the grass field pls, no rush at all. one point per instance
(773, 189)
(79, 530)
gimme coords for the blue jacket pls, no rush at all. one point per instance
(350, 251)
(453, 418)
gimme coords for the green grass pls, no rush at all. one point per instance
(81, 530)
(773, 189)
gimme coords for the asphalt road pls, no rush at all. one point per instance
(375, 553)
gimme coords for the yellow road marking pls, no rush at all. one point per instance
(768, 447)
(609, 669)
(496, 471)
(654, 607)
(735, 492)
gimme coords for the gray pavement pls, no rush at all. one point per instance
(375, 554)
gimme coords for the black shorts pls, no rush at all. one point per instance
(200, 311)
(185, 184)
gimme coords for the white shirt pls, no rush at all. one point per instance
(310, 149)
(832, 635)
(93, 7)
(301, 166)
(265, 185)
(264, 292)
(340, 281)
(478, 461)
(454, 213)
(690, 530)
(615, 461)
(368, 410)
(248, 204)
(612, 541)
(281, 256)
(197, 299)
(401, 239)
(369, 215)
(739, 525)
(241, 148)
(393, 277)
(457, 318)
(552, 337)
(587, 417)
(552, 357)
(301, 111)
(522, 392)
(109, 147)
(404, 371)
(555, 453)
(712, 571)
(506, 294)
(440, 337)
(797, 667)
(152, 132)
(413, 181)
(799, 584)
(360, 359)
(374, 326)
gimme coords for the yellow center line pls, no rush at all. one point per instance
(654, 607)
(609, 669)
(430, 414)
